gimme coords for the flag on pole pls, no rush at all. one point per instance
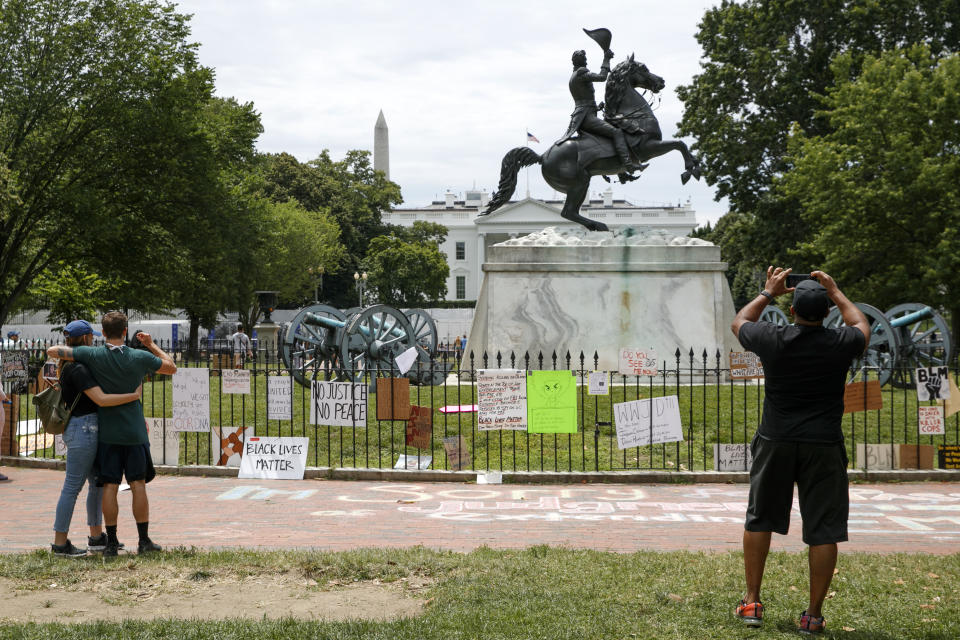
(531, 137)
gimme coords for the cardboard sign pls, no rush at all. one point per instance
(226, 444)
(338, 404)
(745, 365)
(164, 444)
(420, 427)
(413, 462)
(599, 383)
(949, 456)
(274, 458)
(650, 421)
(933, 383)
(191, 400)
(862, 396)
(732, 457)
(501, 399)
(233, 381)
(952, 404)
(913, 456)
(393, 398)
(458, 454)
(878, 457)
(637, 362)
(279, 398)
(931, 421)
(551, 402)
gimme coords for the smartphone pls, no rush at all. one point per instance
(793, 279)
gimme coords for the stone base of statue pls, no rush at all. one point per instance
(587, 291)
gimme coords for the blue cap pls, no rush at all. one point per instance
(79, 328)
(13, 332)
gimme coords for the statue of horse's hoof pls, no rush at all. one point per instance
(685, 177)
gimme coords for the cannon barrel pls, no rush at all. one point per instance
(333, 323)
(912, 318)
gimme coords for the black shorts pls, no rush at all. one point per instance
(820, 472)
(119, 460)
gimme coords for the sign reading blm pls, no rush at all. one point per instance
(933, 383)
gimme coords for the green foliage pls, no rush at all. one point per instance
(407, 271)
(70, 292)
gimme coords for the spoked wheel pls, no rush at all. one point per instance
(309, 348)
(775, 315)
(372, 339)
(882, 352)
(424, 329)
(924, 343)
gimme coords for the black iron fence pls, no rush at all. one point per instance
(714, 411)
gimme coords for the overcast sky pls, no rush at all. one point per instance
(459, 83)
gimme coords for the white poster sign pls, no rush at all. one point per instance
(933, 383)
(931, 421)
(406, 359)
(164, 445)
(637, 362)
(191, 400)
(226, 444)
(235, 381)
(501, 399)
(413, 462)
(274, 458)
(732, 457)
(650, 421)
(599, 382)
(279, 398)
(338, 404)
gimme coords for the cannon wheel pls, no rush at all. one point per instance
(883, 350)
(372, 339)
(424, 329)
(309, 351)
(923, 344)
(775, 315)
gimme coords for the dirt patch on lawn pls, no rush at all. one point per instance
(207, 596)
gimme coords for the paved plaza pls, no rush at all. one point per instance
(218, 512)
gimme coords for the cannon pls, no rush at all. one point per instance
(324, 343)
(906, 337)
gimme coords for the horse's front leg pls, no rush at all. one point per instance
(655, 148)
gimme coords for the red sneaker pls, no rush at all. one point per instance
(751, 613)
(810, 625)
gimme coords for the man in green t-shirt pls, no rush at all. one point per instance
(124, 448)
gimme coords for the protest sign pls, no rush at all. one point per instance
(420, 427)
(226, 444)
(338, 404)
(235, 381)
(458, 454)
(951, 404)
(931, 421)
(274, 458)
(949, 456)
(14, 370)
(637, 362)
(745, 365)
(393, 398)
(933, 383)
(650, 421)
(551, 402)
(490, 477)
(164, 442)
(732, 457)
(49, 371)
(877, 457)
(279, 398)
(406, 359)
(191, 400)
(501, 399)
(413, 462)
(862, 396)
(599, 383)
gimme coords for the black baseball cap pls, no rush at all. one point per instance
(810, 300)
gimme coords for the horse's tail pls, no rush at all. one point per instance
(515, 158)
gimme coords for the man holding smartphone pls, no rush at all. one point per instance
(799, 439)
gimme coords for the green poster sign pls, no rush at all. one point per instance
(551, 402)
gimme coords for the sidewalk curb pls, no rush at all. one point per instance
(519, 477)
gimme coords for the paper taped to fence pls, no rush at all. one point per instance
(745, 365)
(413, 462)
(226, 444)
(274, 458)
(933, 383)
(338, 404)
(732, 457)
(458, 453)
(650, 421)
(235, 381)
(931, 421)
(551, 402)
(164, 441)
(501, 399)
(420, 427)
(191, 399)
(599, 383)
(637, 362)
(862, 396)
(279, 398)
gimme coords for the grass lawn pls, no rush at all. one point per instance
(539, 592)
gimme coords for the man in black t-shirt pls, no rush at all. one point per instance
(799, 439)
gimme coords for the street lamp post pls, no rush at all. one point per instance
(361, 281)
(317, 284)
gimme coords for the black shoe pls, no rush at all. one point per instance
(148, 546)
(67, 549)
(111, 550)
(3, 478)
(100, 543)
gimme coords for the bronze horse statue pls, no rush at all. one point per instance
(568, 166)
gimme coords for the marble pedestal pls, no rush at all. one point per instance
(602, 297)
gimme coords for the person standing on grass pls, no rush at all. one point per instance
(78, 385)
(799, 439)
(124, 446)
(241, 346)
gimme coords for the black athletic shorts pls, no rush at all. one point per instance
(820, 472)
(119, 460)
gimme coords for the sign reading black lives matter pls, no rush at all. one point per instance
(274, 458)
(338, 404)
(933, 383)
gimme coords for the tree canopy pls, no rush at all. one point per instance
(406, 267)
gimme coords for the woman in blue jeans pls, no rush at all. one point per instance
(80, 437)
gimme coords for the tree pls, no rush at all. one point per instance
(881, 190)
(70, 292)
(764, 63)
(406, 268)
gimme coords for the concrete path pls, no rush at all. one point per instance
(338, 515)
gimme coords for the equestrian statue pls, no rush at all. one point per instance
(619, 144)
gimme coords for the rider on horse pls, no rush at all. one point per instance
(584, 116)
